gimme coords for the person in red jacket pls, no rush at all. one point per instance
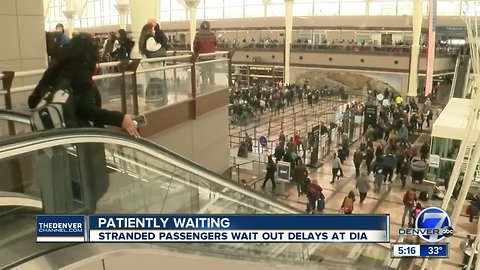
(206, 42)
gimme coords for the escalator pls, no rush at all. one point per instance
(460, 78)
(105, 172)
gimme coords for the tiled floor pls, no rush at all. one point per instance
(389, 201)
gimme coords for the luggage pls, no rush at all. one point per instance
(320, 204)
(156, 91)
(423, 196)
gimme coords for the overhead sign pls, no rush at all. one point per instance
(263, 141)
(283, 171)
(434, 161)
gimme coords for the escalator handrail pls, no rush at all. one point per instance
(20, 144)
(14, 116)
(19, 199)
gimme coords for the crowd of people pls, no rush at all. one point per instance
(273, 96)
(385, 153)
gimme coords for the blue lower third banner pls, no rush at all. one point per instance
(238, 228)
(61, 228)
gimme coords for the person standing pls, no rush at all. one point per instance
(125, 45)
(405, 171)
(300, 174)
(63, 37)
(363, 186)
(148, 45)
(206, 42)
(357, 161)
(109, 47)
(424, 151)
(409, 200)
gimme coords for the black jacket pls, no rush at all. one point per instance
(160, 37)
(87, 97)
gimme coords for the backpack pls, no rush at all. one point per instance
(312, 191)
(320, 204)
(415, 213)
(348, 205)
(56, 109)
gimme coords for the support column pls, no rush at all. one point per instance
(70, 27)
(415, 51)
(288, 39)
(69, 13)
(265, 4)
(192, 9)
(141, 11)
(122, 8)
(432, 17)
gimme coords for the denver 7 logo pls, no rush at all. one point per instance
(437, 219)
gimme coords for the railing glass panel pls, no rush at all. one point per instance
(212, 75)
(160, 85)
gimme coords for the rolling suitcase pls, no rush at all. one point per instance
(423, 196)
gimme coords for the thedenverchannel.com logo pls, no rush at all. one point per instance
(433, 224)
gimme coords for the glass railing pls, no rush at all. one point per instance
(212, 74)
(134, 86)
(331, 47)
(100, 171)
(160, 84)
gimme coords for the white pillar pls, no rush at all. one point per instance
(122, 9)
(70, 27)
(288, 39)
(192, 11)
(193, 25)
(265, 4)
(140, 12)
(417, 31)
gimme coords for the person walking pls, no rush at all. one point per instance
(363, 186)
(270, 175)
(347, 204)
(316, 199)
(377, 180)
(336, 167)
(369, 155)
(357, 161)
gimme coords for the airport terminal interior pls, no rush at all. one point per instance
(371, 100)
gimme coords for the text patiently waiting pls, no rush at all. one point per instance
(163, 223)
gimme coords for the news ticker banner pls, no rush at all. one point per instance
(214, 228)
(420, 250)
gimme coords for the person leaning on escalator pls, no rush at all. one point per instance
(77, 62)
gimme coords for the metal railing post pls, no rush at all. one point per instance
(7, 82)
(122, 67)
(133, 66)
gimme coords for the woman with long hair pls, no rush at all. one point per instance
(147, 44)
(77, 63)
(125, 45)
(109, 46)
